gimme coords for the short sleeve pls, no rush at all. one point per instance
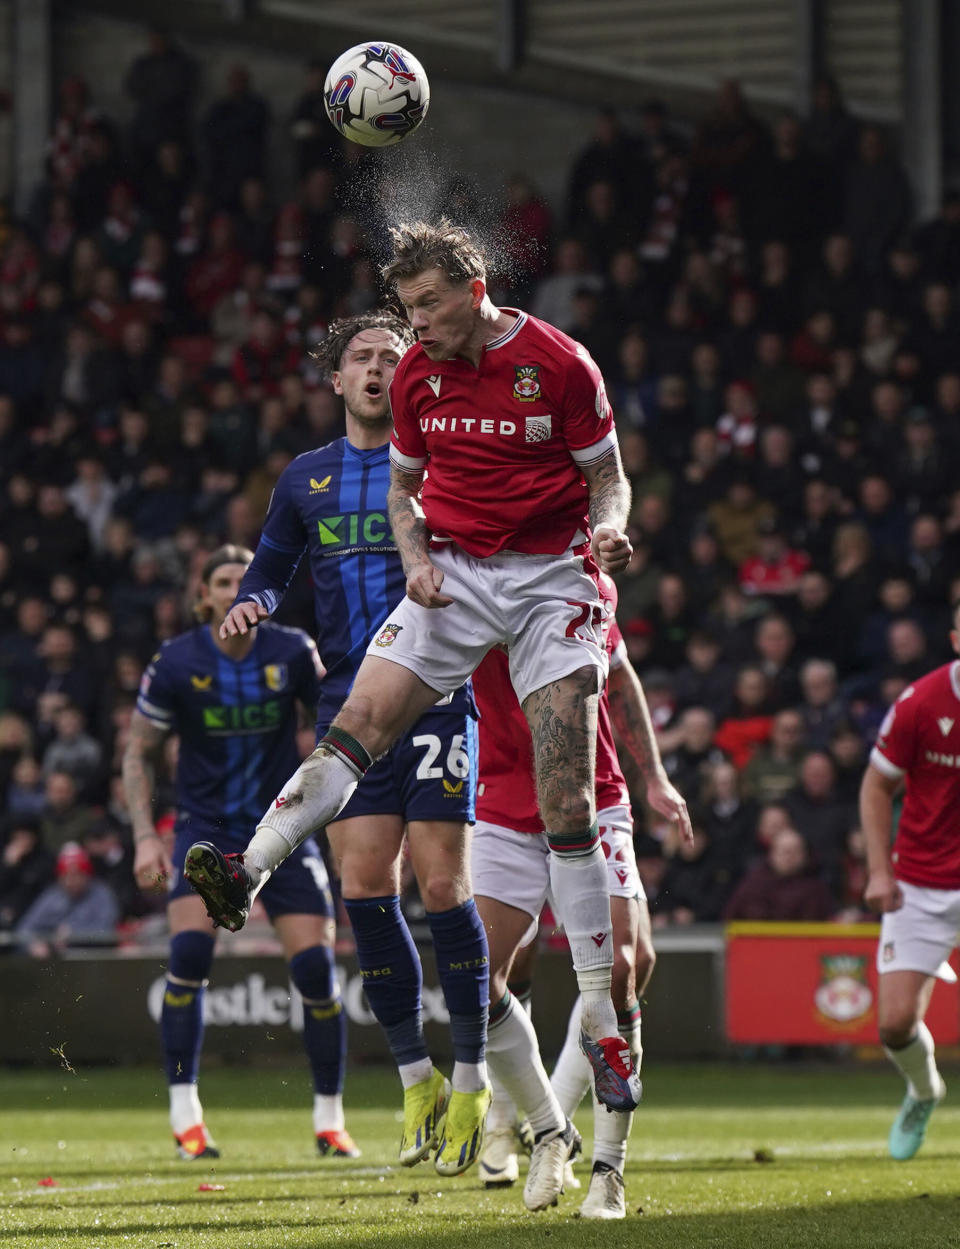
(408, 451)
(156, 698)
(894, 749)
(587, 416)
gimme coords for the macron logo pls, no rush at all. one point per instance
(434, 384)
(598, 938)
(280, 802)
(945, 724)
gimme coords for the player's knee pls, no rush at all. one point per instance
(442, 891)
(313, 973)
(571, 812)
(370, 722)
(191, 956)
(897, 1025)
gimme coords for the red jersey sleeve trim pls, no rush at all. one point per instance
(883, 764)
(409, 463)
(590, 455)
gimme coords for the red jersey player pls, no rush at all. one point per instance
(503, 423)
(511, 880)
(915, 883)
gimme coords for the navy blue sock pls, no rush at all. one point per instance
(463, 966)
(181, 1017)
(391, 973)
(324, 1023)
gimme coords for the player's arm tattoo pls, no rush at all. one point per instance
(407, 521)
(609, 491)
(562, 717)
(631, 719)
(143, 745)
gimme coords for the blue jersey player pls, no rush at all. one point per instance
(332, 502)
(233, 703)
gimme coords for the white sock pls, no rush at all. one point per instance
(918, 1066)
(415, 1073)
(514, 1055)
(571, 1078)
(469, 1077)
(611, 1129)
(503, 1110)
(582, 901)
(328, 1112)
(316, 792)
(185, 1108)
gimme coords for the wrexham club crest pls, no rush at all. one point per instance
(526, 382)
(843, 996)
(387, 635)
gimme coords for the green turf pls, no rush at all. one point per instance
(720, 1156)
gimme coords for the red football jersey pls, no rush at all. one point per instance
(503, 444)
(920, 740)
(506, 793)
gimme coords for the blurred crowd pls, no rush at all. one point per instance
(780, 340)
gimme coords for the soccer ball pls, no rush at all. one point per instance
(376, 94)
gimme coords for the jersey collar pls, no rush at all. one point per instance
(502, 339)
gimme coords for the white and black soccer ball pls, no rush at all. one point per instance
(376, 94)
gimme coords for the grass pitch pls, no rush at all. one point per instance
(720, 1156)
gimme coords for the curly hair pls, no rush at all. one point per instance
(420, 245)
(329, 352)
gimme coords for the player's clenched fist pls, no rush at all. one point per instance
(423, 585)
(882, 893)
(611, 549)
(242, 618)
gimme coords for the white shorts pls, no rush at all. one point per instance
(922, 934)
(514, 867)
(545, 609)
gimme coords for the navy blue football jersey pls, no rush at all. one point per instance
(236, 719)
(332, 502)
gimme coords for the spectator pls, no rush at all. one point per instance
(705, 680)
(696, 882)
(162, 81)
(689, 752)
(73, 750)
(775, 642)
(234, 137)
(774, 768)
(818, 813)
(877, 199)
(704, 569)
(75, 910)
(731, 817)
(821, 707)
(736, 518)
(26, 868)
(314, 141)
(749, 723)
(775, 570)
(784, 887)
(64, 817)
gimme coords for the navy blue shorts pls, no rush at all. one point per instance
(299, 886)
(428, 774)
